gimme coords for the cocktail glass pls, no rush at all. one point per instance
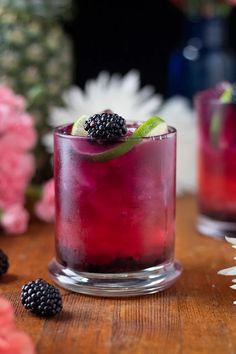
(216, 165)
(115, 217)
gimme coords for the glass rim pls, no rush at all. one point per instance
(200, 98)
(171, 132)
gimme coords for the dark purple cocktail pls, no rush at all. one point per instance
(115, 215)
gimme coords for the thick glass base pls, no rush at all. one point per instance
(147, 281)
(217, 229)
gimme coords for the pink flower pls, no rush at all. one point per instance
(8, 97)
(16, 170)
(5, 112)
(45, 208)
(16, 342)
(17, 137)
(12, 341)
(21, 133)
(15, 219)
(6, 314)
(11, 107)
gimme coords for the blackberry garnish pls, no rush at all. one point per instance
(233, 97)
(41, 298)
(4, 264)
(106, 126)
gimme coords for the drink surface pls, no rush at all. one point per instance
(116, 215)
(217, 159)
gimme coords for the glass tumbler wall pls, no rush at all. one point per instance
(115, 218)
(217, 166)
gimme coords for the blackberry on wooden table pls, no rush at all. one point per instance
(41, 298)
(4, 264)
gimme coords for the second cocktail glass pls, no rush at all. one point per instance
(217, 163)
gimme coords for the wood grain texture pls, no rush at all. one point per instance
(195, 316)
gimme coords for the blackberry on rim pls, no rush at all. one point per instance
(106, 126)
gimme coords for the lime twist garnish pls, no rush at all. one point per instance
(150, 128)
(78, 126)
(217, 119)
(226, 96)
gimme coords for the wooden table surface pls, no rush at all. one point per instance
(195, 316)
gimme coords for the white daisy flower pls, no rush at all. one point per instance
(124, 96)
(120, 94)
(232, 270)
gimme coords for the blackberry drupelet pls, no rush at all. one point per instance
(4, 264)
(233, 98)
(41, 298)
(106, 126)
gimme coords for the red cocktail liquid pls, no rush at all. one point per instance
(117, 215)
(217, 159)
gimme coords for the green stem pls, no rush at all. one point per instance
(34, 191)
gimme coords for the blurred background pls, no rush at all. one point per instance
(161, 40)
(68, 57)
